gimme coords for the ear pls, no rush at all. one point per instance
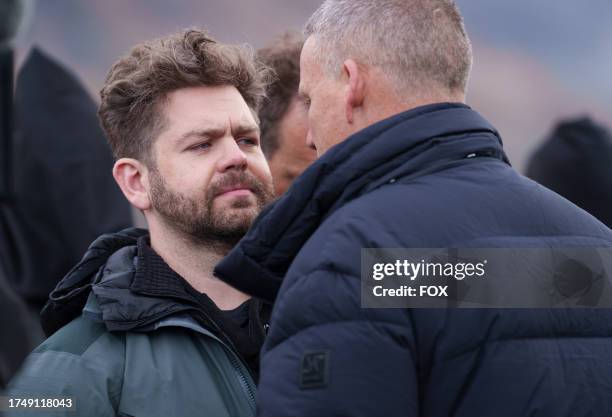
(355, 88)
(131, 175)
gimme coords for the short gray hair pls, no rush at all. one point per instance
(419, 45)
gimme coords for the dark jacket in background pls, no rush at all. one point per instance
(65, 193)
(15, 341)
(576, 162)
(432, 177)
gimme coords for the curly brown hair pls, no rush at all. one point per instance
(283, 56)
(137, 84)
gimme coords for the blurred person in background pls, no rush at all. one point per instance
(62, 192)
(284, 119)
(404, 163)
(141, 326)
(16, 340)
(19, 331)
(58, 169)
(65, 195)
(576, 162)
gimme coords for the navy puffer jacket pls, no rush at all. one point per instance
(435, 176)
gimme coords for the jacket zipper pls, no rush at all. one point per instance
(243, 380)
(236, 362)
(234, 358)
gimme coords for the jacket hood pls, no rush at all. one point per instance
(586, 147)
(68, 298)
(410, 143)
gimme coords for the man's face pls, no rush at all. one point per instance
(293, 155)
(324, 97)
(210, 178)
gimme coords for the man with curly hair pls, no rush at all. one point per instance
(284, 118)
(141, 327)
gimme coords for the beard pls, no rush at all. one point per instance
(197, 218)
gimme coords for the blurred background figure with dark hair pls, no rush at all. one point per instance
(284, 120)
(64, 193)
(576, 161)
(56, 188)
(15, 323)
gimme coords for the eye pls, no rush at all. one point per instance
(247, 141)
(200, 147)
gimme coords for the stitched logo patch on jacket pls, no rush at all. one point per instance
(314, 370)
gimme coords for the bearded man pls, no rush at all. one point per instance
(141, 327)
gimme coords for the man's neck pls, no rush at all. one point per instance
(384, 99)
(195, 263)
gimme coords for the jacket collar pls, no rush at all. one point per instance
(153, 277)
(93, 311)
(68, 298)
(411, 143)
(137, 289)
(116, 268)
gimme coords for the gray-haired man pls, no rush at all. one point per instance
(405, 164)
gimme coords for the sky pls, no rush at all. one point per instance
(535, 61)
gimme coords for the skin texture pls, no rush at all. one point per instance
(293, 155)
(324, 98)
(209, 181)
(356, 97)
(210, 146)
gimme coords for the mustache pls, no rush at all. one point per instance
(235, 178)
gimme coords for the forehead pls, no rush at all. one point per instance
(309, 67)
(195, 106)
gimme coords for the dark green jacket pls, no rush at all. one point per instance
(156, 361)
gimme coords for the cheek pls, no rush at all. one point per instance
(314, 121)
(193, 176)
(277, 170)
(260, 168)
(321, 123)
(323, 112)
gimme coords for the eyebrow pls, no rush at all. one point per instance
(242, 129)
(218, 131)
(209, 132)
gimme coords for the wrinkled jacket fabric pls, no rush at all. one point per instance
(129, 353)
(432, 177)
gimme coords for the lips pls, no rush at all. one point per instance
(236, 189)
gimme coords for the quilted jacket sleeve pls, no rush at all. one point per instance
(80, 362)
(63, 376)
(326, 356)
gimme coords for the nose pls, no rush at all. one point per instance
(309, 141)
(232, 158)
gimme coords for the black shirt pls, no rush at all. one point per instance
(239, 315)
(241, 328)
